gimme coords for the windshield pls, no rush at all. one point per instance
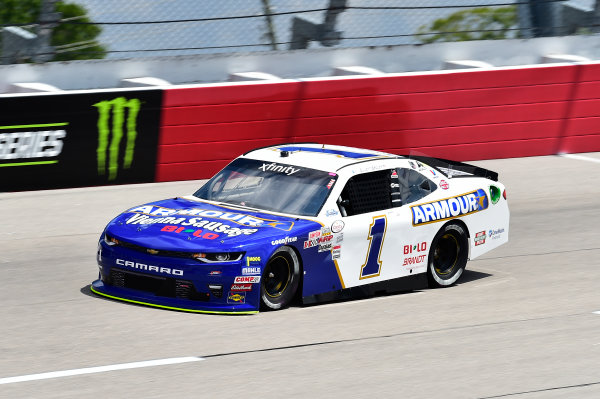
(271, 186)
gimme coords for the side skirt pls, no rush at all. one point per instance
(401, 284)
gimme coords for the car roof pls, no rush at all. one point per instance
(317, 156)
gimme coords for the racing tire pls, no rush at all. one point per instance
(448, 256)
(280, 279)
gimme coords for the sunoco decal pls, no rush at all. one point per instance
(448, 208)
(236, 297)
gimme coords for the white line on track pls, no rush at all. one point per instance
(580, 157)
(596, 312)
(100, 369)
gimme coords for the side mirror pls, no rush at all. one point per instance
(342, 204)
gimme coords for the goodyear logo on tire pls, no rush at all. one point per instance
(449, 208)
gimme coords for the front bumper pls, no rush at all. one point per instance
(173, 283)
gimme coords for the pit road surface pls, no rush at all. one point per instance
(521, 323)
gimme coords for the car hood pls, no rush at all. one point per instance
(186, 225)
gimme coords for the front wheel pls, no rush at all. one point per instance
(280, 279)
(448, 255)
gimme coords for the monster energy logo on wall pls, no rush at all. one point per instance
(110, 144)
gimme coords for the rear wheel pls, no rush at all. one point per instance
(448, 255)
(280, 279)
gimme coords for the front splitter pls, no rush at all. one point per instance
(99, 288)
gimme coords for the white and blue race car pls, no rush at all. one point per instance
(305, 222)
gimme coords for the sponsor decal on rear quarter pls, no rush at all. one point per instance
(495, 234)
(480, 238)
(449, 208)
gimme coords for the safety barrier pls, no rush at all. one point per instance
(460, 115)
(100, 137)
(581, 131)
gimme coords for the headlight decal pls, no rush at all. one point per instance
(218, 257)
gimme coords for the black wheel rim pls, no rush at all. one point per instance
(277, 276)
(445, 255)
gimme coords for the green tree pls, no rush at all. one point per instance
(19, 11)
(73, 41)
(76, 41)
(482, 23)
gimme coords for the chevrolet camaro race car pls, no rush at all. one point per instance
(308, 222)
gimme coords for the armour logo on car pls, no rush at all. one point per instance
(447, 208)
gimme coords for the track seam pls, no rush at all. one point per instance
(350, 340)
(540, 254)
(540, 390)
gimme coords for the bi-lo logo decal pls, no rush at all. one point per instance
(414, 250)
(111, 134)
(448, 208)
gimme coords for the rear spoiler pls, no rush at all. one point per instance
(456, 169)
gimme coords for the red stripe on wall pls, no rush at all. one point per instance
(194, 152)
(225, 132)
(190, 170)
(585, 143)
(232, 93)
(462, 115)
(434, 100)
(227, 113)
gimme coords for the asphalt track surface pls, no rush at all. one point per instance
(521, 323)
